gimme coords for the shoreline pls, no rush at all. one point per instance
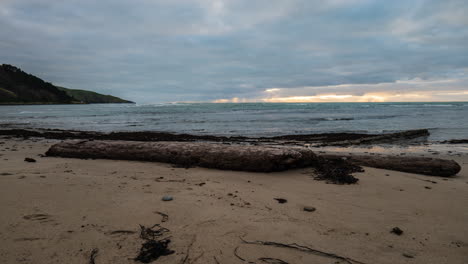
(404, 137)
(412, 145)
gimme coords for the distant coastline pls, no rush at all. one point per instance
(20, 88)
(52, 103)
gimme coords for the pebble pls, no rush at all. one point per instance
(281, 200)
(309, 208)
(167, 198)
(397, 231)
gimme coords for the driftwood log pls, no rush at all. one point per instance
(240, 157)
(418, 165)
(209, 155)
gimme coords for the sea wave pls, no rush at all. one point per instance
(30, 112)
(331, 119)
(438, 105)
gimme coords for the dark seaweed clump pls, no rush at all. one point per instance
(153, 247)
(337, 171)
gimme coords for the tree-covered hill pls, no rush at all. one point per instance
(19, 87)
(90, 97)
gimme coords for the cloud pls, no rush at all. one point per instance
(413, 90)
(204, 50)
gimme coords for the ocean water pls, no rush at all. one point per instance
(445, 120)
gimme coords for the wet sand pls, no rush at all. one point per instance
(58, 210)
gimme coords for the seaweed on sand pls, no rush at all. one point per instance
(153, 247)
(93, 255)
(337, 171)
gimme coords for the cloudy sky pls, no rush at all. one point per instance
(152, 51)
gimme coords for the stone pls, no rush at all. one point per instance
(309, 209)
(397, 231)
(281, 200)
(167, 198)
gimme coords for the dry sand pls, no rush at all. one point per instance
(58, 210)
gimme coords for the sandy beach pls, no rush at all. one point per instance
(57, 210)
(233, 132)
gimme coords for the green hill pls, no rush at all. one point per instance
(18, 87)
(90, 97)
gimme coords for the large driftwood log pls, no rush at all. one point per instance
(210, 155)
(239, 157)
(418, 165)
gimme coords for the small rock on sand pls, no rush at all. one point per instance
(167, 198)
(29, 160)
(397, 231)
(309, 209)
(281, 200)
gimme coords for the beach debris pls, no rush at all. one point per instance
(187, 253)
(29, 160)
(167, 198)
(209, 155)
(264, 259)
(151, 250)
(153, 247)
(273, 261)
(326, 138)
(248, 157)
(406, 255)
(455, 141)
(397, 231)
(418, 165)
(237, 254)
(123, 232)
(161, 179)
(309, 209)
(300, 248)
(37, 217)
(427, 187)
(165, 217)
(337, 171)
(281, 200)
(433, 182)
(382, 138)
(93, 255)
(5, 174)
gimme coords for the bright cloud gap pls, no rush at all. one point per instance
(415, 90)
